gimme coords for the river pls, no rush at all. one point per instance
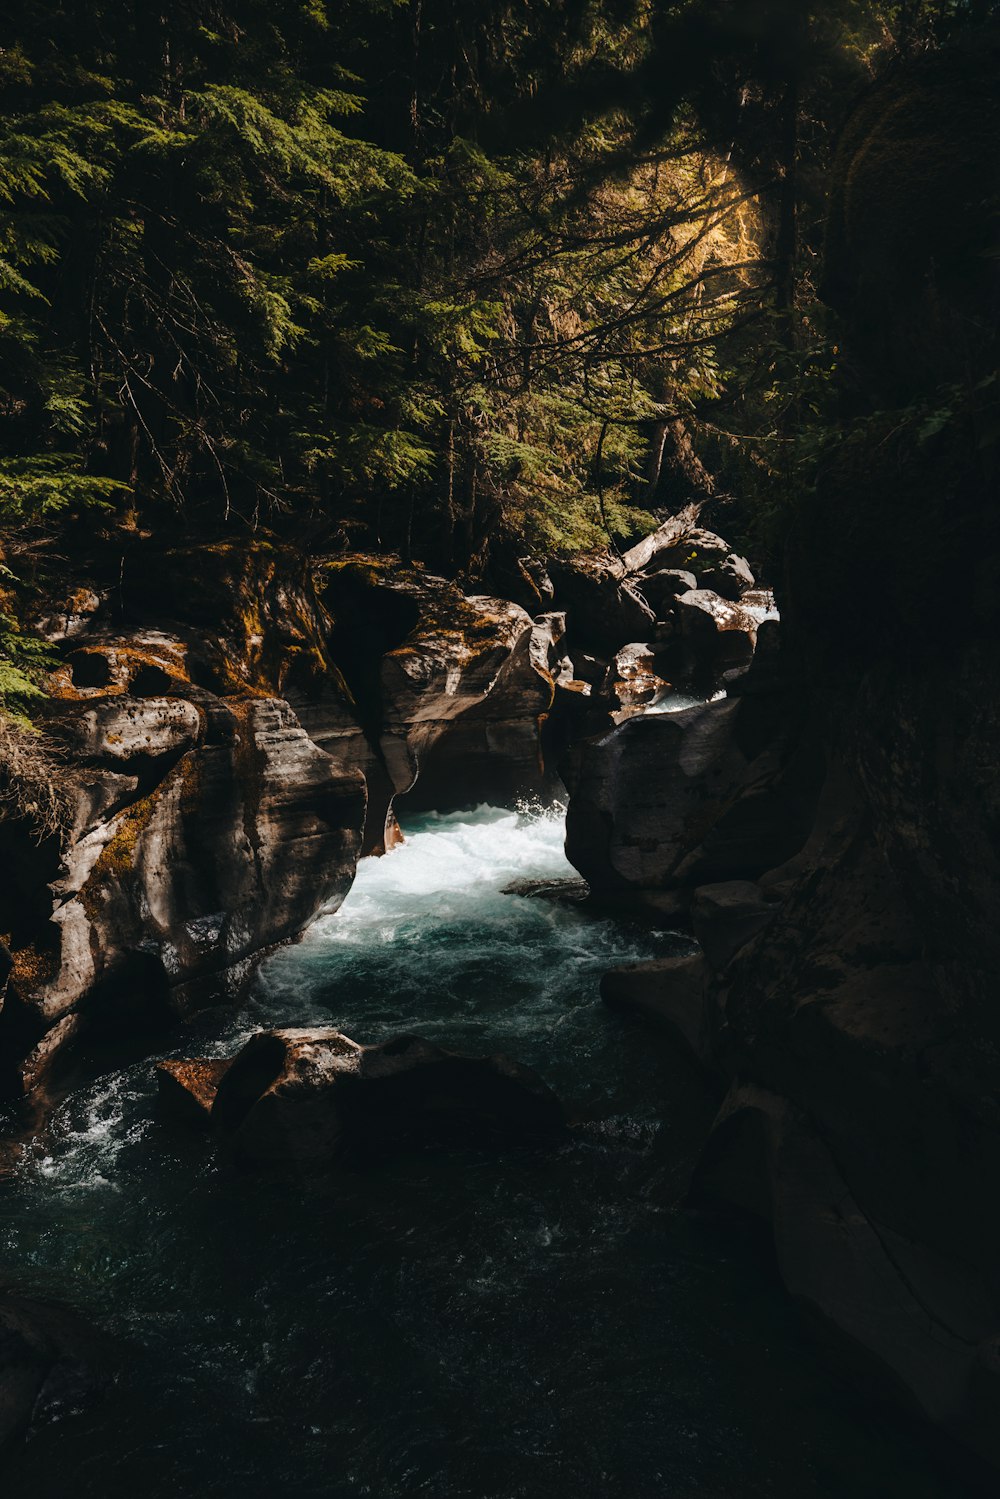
(457, 1325)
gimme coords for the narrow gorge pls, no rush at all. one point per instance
(501, 861)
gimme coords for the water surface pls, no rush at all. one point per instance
(461, 1326)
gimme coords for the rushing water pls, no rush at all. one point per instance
(462, 1326)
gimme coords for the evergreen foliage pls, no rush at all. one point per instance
(419, 275)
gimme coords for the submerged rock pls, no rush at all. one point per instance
(312, 1095)
(50, 1363)
(566, 892)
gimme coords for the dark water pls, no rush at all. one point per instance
(459, 1325)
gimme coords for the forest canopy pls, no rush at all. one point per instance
(410, 274)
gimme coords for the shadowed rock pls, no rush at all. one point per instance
(50, 1362)
(728, 915)
(669, 992)
(312, 1096)
(604, 609)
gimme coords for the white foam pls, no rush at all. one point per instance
(449, 864)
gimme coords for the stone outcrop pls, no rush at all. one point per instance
(451, 690)
(207, 829)
(848, 1002)
(603, 604)
(238, 723)
(312, 1096)
(667, 802)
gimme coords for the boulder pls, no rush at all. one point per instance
(669, 992)
(679, 543)
(638, 794)
(634, 680)
(661, 589)
(717, 636)
(665, 802)
(604, 608)
(548, 648)
(312, 1095)
(730, 579)
(592, 671)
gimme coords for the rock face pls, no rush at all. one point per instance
(451, 690)
(310, 1096)
(238, 724)
(667, 802)
(187, 1089)
(849, 997)
(604, 606)
(205, 834)
(207, 827)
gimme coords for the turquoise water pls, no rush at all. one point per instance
(456, 1325)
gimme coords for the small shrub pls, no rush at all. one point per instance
(36, 785)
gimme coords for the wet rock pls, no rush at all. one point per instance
(565, 892)
(634, 680)
(669, 992)
(310, 1096)
(187, 1089)
(726, 916)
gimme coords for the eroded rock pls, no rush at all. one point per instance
(718, 635)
